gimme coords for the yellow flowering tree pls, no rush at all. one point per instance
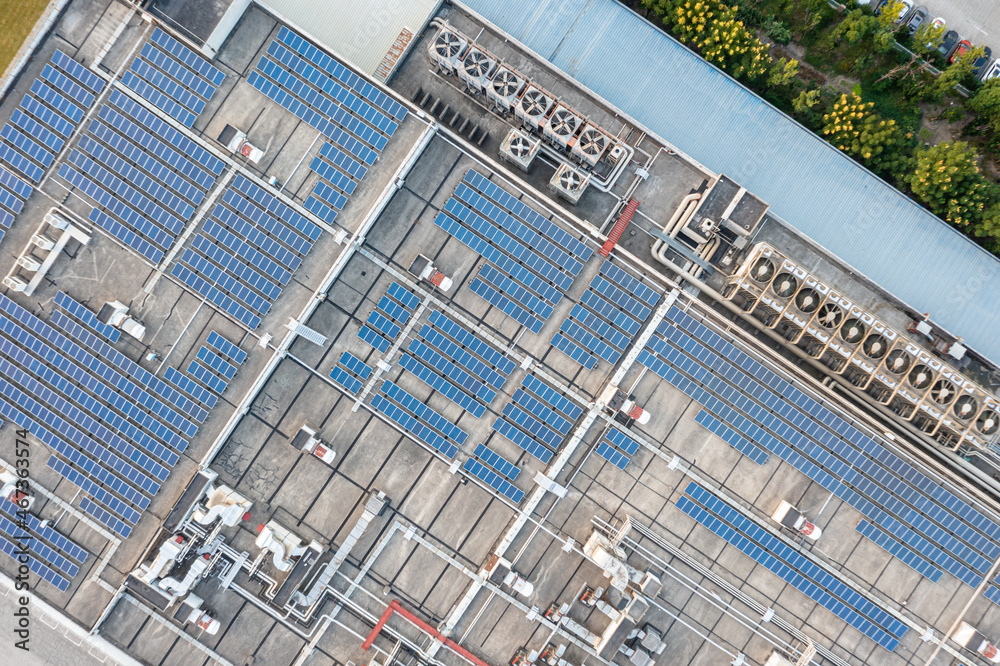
(947, 180)
(853, 127)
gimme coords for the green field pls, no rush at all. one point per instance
(17, 18)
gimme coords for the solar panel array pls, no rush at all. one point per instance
(793, 567)
(146, 178)
(915, 510)
(731, 437)
(54, 558)
(617, 448)
(173, 78)
(351, 372)
(211, 370)
(246, 252)
(84, 316)
(531, 262)
(457, 363)
(358, 118)
(493, 480)
(606, 319)
(390, 315)
(419, 420)
(537, 418)
(993, 592)
(115, 430)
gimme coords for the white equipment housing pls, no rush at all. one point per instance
(591, 145)
(448, 49)
(533, 107)
(610, 558)
(424, 269)
(792, 518)
(119, 319)
(170, 551)
(634, 411)
(306, 440)
(191, 611)
(9, 491)
(225, 503)
(519, 149)
(181, 587)
(476, 68)
(504, 88)
(284, 546)
(569, 183)
(562, 126)
(236, 142)
(15, 283)
(501, 573)
(29, 262)
(968, 637)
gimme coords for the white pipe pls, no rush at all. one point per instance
(707, 251)
(675, 224)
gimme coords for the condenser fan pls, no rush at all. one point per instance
(876, 346)
(506, 83)
(763, 270)
(965, 407)
(898, 362)
(988, 422)
(477, 64)
(807, 300)
(921, 376)
(563, 122)
(830, 315)
(570, 180)
(785, 284)
(943, 392)
(592, 142)
(534, 102)
(519, 146)
(448, 45)
(853, 330)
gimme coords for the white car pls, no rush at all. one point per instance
(992, 71)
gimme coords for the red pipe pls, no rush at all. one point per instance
(395, 607)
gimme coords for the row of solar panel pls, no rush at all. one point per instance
(46, 532)
(9, 526)
(482, 376)
(500, 464)
(36, 566)
(793, 567)
(852, 486)
(506, 305)
(494, 480)
(226, 348)
(351, 372)
(993, 593)
(191, 387)
(831, 483)
(419, 420)
(617, 448)
(532, 418)
(86, 317)
(173, 78)
(731, 437)
(13, 194)
(204, 374)
(386, 321)
(907, 493)
(886, 541)
(630, 284)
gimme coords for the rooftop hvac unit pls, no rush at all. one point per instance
(922, 375)
(57, 220)
(779, 293)
(988, 422)
(448, 49)
(966, 406)
(15, 283)
(591, 145)
(745, 286)
(503, 89)
(801, 310)
(477, 66)
(43, 242)
(569, 183)
(519, 149)
(29, 262)
(562, 126)
(899, 360)
(534, 105)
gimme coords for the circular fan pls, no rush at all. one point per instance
(943, 392)
(506, 83)
(785, 284)
(763, 270)
(898, 362)
(921, 376)
(853, 330)
(520, 146)
(570, 180)
(875, 346)
(965, 407)
(807, 300)
(563, 122)
(477, 64)
(448, 45)
(534, 102)
(592, 142)
(830, 315)
(988, 422)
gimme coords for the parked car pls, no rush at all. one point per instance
(963, 46)
(903, 13)
(949, 43)
(983, 63)
(917, 19)
(992, 71)
(938, 23)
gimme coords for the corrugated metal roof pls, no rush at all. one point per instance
(362, 32)
(809, 184)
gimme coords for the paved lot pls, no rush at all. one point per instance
(976, 20)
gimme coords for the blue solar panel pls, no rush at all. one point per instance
(78, 71)
(507, 306)
(393, 310)
(106, 518)
(113, 227)
(792, 566)
(188, 57)
(326, 194)
(158, 99)
(173, 90)
(574, 351)
(422, 411)
(467, 361)
(589, 341)
(616, 458)
(898, 550)
(14, 184)
(383, 324)
(552, 397)
(39, 531)
(525, 441)
(226, 347)
(344, 379)
(599, 327)
(193, 389)
(206, 377)
(66, 85)
(242, 314)
(515, 292)
(122, 509)
(343, 161)
(342, 74)
(414, 427)
(629, 283)
(227, 263)
(275, 207)
(993, 593)
(335, 177)
(52, 141)
(374, 339)
(216, 363)
(407, 298)
(45, 115)
(731, 437)
(87, 317)
(541, 411)
(425, 374)
(66, 108)
(20, 163)
(176, 70)
(532, 426)
(320, 209)
(42, 550)
(257, 237)
(355, 365)
(503, 365)
(494, 480)
(451, 371)
(244, 250)
(226, 282)
(497, 461)
(36, 566)
(628, 445)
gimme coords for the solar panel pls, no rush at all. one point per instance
(574, 351)
(105, 517)
(78, 71)
(993, 593)
(36, 566)
(188, 57)
(507, 306)
(731, 437)
(898, 550)
(464, 359)
(355, 365)
(216, 363)
(158, 99)
(350, 383)
(374, 339)
(522, 439)
(184, 383)
(226, 347)
(616, 458)
(503, 365)
(497, 462)
(46, 532)
(425, 374)
(207, 377)
(494, 480)
(421, 421)
(552, 397)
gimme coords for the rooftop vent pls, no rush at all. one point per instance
(762, 271)
(569, 183)
(503, 89)
(988, 422)
(785, 285)
(921, 376)
(476, 69)
(448, 49)
(591, 145)
(965, 407)
(562, 126)
(943, 392)
(830, 316)
(875, 346)
(519, 149)
(898, 362)
(535, 103)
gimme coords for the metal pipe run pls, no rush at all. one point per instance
(396, 607)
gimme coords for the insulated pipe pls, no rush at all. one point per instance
(675, 224)
(707, 251)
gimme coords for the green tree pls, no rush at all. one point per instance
(856, 26)
(889, 14)
(806, 100)
(854, 128)
(986, 103)
(783, 72)
(956, 72)
(947, 180)
(928, 38)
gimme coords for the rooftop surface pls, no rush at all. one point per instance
(471, 408)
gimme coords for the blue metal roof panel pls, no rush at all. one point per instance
(812, 186)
